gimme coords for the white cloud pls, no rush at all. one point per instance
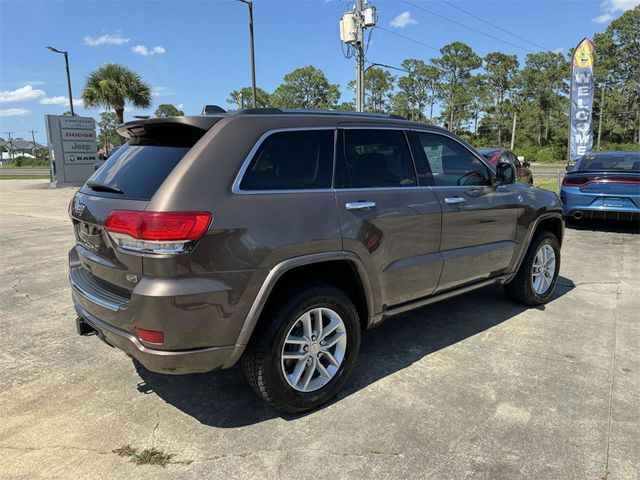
(161, 91)
(23, 93)
(403, 20)
(60, 100)
(558, 50)
(14, 112)
(106, 39)
(148, 51)
(612, 7)
(180, 105)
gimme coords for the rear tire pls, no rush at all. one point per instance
(271, 358)
(533, 284)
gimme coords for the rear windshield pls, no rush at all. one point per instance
(618, 162)
(135, 170)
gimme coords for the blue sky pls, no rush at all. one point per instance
(196, 52)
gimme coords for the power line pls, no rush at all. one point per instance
(464, 26)
(493, 24)
(408, 38)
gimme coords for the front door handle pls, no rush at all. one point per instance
(454, 200)
(360, 205)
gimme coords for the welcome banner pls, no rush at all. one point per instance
(582, 86)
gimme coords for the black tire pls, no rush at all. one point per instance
(261, 361)
(520, 289)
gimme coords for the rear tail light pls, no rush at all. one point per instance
(156, 232)
(586, 180)
(150, 336)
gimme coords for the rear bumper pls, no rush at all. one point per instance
(581, 204)
(161, 361)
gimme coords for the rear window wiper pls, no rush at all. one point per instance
(101, 187)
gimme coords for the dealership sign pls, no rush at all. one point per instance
(581, 101)
(73, 150)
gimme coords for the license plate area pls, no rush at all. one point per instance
(613, 202)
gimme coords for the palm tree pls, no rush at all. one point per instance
(112, 85)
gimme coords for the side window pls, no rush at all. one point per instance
(293, 160)
(451, 163)
(506, 158)
(377, 158)
(515, 160)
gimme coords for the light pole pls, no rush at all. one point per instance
(66, 63)
(253, 60)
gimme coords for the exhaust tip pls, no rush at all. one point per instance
(577, 215)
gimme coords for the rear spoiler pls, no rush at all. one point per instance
(148, 127)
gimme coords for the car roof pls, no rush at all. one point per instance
(490, 150)
(292, 116)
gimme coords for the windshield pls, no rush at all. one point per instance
(618, 162)
(134, 171)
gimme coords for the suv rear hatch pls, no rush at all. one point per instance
(126, 182)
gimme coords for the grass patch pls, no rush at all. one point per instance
(148, 456)
(23, 177)
(548, 183)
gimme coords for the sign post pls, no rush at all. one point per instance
(581, 101)
(73, 149)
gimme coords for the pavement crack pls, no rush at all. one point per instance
(155, 430)
(54, 447)
(367, 454)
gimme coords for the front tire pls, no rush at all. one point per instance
(304, 348)
(536, 279)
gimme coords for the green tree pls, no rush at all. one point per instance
(263, 99)
(501, 71)
(543, 88)
(378, 87)
(456, 64)
(112, 86)
(420, 88)
(404, 106)
(168, 110)
(306, 87)
(107, 135)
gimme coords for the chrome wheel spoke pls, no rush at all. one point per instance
(317, 322)
(323, 371)
(294, 356)
(311, 369)
(307, 327)
(295, 340)
(331, 359)
(335, 323)
(294, 378)
(334, 339)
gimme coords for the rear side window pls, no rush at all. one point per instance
(376, 159)
(451, 163)
(136, 170)
(297, 160)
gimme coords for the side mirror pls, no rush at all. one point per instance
(505, 173)
(526, 164)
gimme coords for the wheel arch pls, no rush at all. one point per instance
(342, 269)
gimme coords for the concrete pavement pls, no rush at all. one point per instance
(473, 387)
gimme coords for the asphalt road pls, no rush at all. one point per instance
(473, 387)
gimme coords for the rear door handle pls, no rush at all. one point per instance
(360, 205)
(454, 200)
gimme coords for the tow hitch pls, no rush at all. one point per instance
(83, 327)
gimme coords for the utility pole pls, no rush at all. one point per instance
(10, 145)
(359, 46)
(352, 26)
(513, 132)
(253, 60)
(33, 139)
(600, 119)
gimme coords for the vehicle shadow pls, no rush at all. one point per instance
(609, 226)
(223, 399)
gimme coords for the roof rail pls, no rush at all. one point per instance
(293, 111)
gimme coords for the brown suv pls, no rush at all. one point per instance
(275, 237)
